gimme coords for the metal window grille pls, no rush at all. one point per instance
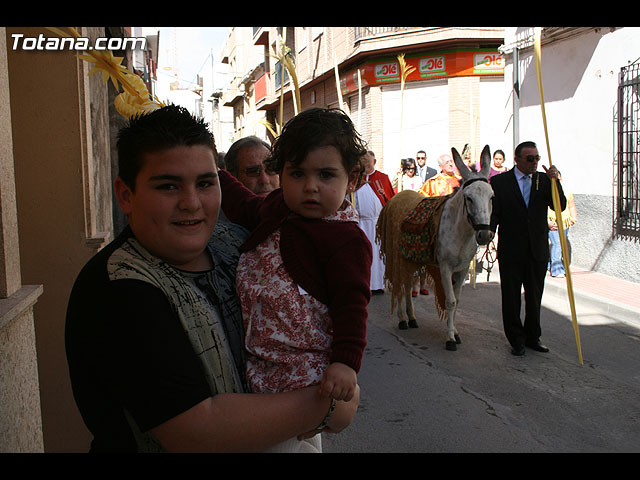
(627, 220)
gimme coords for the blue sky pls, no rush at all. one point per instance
(194, 45)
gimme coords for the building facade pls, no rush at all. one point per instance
(450, 98)
(591, 80)
(56, 211)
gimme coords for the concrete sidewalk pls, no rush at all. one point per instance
(612, 296)
(608, 295)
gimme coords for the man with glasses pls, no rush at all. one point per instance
(522, 197)
(424, 171)
(245, 161)
(445, 182)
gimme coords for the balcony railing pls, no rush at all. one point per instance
(368, 32)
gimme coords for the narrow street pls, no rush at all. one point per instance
(419, 397)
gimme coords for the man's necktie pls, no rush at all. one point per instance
(526, 188)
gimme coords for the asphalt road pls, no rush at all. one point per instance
(419, 397)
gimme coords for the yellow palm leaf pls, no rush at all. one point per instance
(135, 99)
(285, 58)
(404, 70)
(62, 33)
(555, 194)
(404, 73)
(269, 127)
(110, 67)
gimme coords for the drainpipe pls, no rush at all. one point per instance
(516, 97)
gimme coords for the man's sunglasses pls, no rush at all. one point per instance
(256, 171)
(531, 158)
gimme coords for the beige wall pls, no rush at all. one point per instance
(464, 92)
(64, 213)
(20, 417)
(20, 414)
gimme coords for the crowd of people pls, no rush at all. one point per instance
(230, 314)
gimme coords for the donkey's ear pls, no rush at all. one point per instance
(460, 165)
(485, 161)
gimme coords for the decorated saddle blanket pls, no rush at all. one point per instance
(418, 243)
(419, 231)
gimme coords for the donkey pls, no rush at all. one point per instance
(463, 224)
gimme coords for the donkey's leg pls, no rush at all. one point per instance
(457, 281)
(402, 323)
(408, 303)
(450, 305)
(410, 312)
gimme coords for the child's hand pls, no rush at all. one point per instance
(339, 382)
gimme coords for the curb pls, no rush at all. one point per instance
(602, 305)
(596, 303)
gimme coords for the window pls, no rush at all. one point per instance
(627, 221)
(278, 78)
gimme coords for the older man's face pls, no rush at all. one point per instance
(252, 172)
(447, 165)
(369, 163)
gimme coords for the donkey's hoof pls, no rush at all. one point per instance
(457, 337)
(402, 325)
(413, 324)
(451, 346)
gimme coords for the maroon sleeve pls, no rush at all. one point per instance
(239, 204)
(349, 273)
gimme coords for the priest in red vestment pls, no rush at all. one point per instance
(369, 199)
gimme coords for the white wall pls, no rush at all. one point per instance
(425, 124)
(580, 85)
(492, 131)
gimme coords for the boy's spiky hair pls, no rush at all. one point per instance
(162, 129)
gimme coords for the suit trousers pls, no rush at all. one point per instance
(515, 274)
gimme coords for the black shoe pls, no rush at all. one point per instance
(517, 350)
(537, 346)
(377, 292)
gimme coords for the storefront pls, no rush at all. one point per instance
(450, 98)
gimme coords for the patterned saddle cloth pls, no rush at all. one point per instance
(419, 231)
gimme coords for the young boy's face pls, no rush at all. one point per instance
(317, 187)
(175, 206)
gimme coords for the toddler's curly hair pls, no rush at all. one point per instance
(314, 128)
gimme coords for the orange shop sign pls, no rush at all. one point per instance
(427, 66)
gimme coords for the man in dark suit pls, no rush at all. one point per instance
(424, 171)
(522, 196)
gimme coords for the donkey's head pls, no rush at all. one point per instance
(477, 194)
